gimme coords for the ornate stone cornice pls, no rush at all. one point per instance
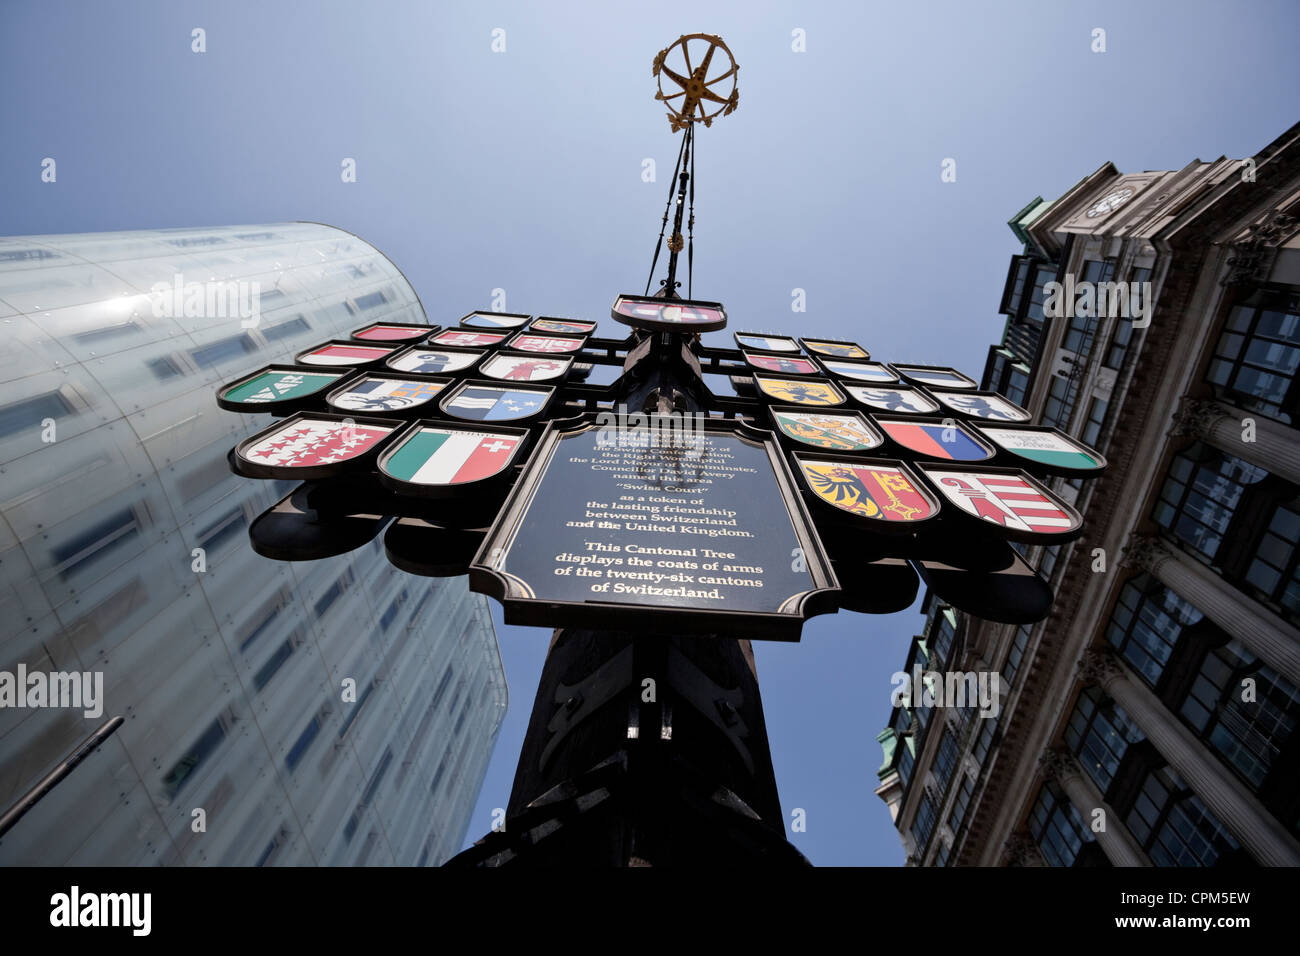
(1253, 256)
(1098, 666)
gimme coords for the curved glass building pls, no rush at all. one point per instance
(124, 560)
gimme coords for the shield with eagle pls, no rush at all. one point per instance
(877, 490)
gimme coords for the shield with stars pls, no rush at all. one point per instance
(382, 393)
(884, 493)
(799, 391)
(833, 431)
(312, 445)
(443, 458)
(494, 402)
(900, 398)
(1007, 501)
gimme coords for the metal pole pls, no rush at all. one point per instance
(51, 779)
(675, 241)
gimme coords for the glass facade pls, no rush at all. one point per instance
(327, 712)
(1059, 830)
(1257, 356)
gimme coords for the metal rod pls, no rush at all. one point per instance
(670, 284)
(667, 206)
(52, 779)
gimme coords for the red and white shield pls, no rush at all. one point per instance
(1011, 500)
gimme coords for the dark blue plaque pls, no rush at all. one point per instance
(664, 523)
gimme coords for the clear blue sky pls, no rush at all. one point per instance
(522, 171)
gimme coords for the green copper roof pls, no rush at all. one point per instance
(1021, 221)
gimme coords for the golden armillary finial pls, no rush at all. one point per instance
(694, 84)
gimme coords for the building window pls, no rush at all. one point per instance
(1096, 418)
(1099, 734)
(1122, 337)
(1044, 272)
(1080, 331)
(1147, 623)
(984, 739)
(1017, 384)
(30, 412)
(1016, 652)
(1274, 569)
(1057, 828)
(1015, 289)
(198, 753)
(304, 740)
(223, 350)
(355, 711)
(1047, 561)
(95, 542)
(1059, 404)
(1249, 735)
(945, 761)
(961, 802)
(370, 300)
(219, 532)
(941, 635)
(906, 761)
(923, 825)
(1257, 356)
(163, 368)
(283, 330)
(1200, 496)
(273, 664)
(1174, 826)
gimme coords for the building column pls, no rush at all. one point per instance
(1115, 840)
(1254, 827)
(1276, 447)
(1023, 851)
(1269, 637)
